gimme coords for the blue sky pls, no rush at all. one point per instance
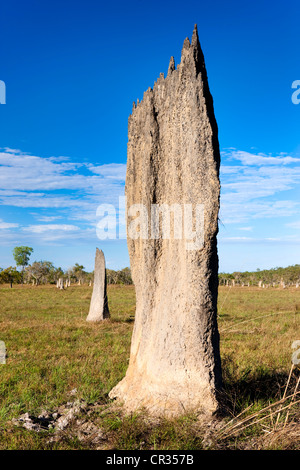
(72, 70)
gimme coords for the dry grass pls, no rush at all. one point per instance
(52, 350)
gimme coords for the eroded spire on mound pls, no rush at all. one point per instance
(197, 51)
(186, 44)
(192, 52)
(195, 38)
(171, 66)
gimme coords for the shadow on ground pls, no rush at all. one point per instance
(258, 385)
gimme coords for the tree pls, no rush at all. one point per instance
(118, 277)
(125, 276)
(10, 275)
(41, 271)
(56, 274)
(77, 272)
(22, 255)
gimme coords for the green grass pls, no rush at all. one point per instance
(52, 350)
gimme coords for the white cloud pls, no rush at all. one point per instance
(113, 170)
(7, 225)
(237, 238)
(295, 224)
(261, 159)
(21, 172)
(253, 186)
(47, 218)
(50, 227)
(28, 181)
(72, 191)
(252, 192)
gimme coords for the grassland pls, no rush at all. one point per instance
(53, 350)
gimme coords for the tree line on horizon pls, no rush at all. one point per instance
(288, 276)
(44, 272)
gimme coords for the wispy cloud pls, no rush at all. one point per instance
(255, 188)
(47, 218)
(50, 227)
(115, 171)
(7, 225)
(295, 224)
(70, 190)
(56, 189)
(237, 238)
(22, 172)
(31, 181)
(261, 159)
